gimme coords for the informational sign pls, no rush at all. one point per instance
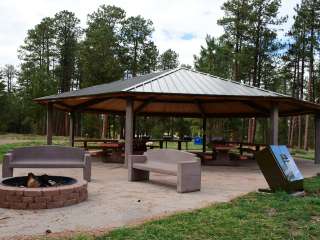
(279, 169)
(286, 163)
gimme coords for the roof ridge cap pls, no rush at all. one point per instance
(150, 80)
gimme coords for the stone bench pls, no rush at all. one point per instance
(47, 157)
(186, 166)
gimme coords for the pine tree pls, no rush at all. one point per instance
(136, 35)
(101, 51)
(67, 33)
(168, 60)
(235, 24)
(215, 58)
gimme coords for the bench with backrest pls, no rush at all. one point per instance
(186, 166)
(47, 157)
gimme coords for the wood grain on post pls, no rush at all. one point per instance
(128, 130)
(274, 128)
(49, 123)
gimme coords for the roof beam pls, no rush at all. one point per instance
(143, 105)
(200, 107)
(89, 103)
(257, 107)
(63, 105)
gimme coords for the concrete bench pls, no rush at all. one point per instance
(186, 166)
(47, 157)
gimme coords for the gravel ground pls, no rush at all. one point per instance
(115, 202)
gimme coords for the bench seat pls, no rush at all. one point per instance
(186, 166)
(170, 169)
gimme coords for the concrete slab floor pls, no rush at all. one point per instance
(115, 202)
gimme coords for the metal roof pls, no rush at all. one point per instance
(177, 81)
(116, 86)
(186, 81)
(180, 92)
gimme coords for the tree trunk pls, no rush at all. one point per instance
(294, 119)
(299, 132)
(121, 127)
(251, 130)
(289, 131)
(105, 126)
(306, 128)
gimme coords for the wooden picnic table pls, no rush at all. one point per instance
(221, 152)
(179, 141)
(116, 151)
(244, 146)
(85, 142)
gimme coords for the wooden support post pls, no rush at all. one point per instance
(71, 129)
(317, 139)
(128, 130)
(49, 123)
(274, 117)
(204, 135)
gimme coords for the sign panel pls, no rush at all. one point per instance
(286, 163)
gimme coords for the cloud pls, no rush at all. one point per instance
(179, 24)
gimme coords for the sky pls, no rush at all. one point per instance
(181, 25)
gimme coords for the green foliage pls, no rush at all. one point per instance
(3, 102)
(67, 33)
(102, 57)
(250, 31)
(136, 36)
(215, 58)
(168, 60)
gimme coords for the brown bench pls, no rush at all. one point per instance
(47, 157)
(186, 166)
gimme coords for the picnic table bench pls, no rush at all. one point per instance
(186, 166)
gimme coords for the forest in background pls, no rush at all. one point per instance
(58, 55)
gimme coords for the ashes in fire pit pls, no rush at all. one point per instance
(33, 181)
(40, 192)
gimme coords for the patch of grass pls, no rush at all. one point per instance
(4, 148)
(30, 137)
(254, 216)
(300, 153)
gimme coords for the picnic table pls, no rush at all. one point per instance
(221, 152)
(85, 142)
(247, 147)
(179, 141)
(113, 151)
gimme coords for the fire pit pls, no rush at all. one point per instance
(41, 192)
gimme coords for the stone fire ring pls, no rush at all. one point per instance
(43, 198)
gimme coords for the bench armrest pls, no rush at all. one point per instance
(190, 167)
(136, 159)
(87, 158)
(194, 160)
(7, 158)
